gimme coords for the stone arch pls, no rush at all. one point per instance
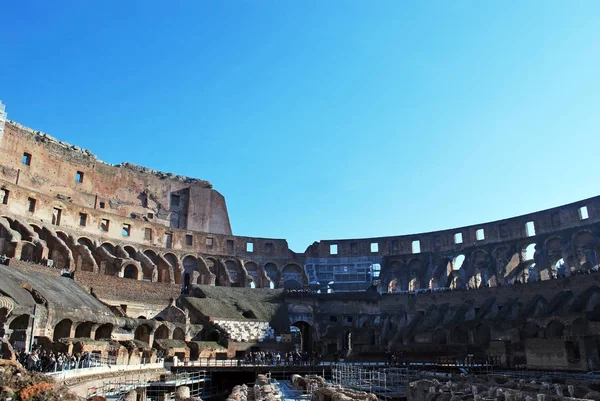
(62, 329)
(104, 332)
(293, 276)
(161, 333)
(394, 276)
(20, 331)
(84, 330)
(62, 235)
(253, 274)
(234, 273)
(272, 273)
(131, 271)
(110, 248)
(152, 255)
(586, 257)
(176, 267)
(178, 334)
(190, 273)
(131, 251)
(415, 274)
(306, 335)
(142, 333)
(85, 241)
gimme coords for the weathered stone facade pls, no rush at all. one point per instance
(140, 245)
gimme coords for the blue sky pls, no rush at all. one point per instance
(324, 119)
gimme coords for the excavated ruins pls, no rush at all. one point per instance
(134, 264)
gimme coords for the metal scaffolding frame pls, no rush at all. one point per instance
(385, 383)
(163, 389)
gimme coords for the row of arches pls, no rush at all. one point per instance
(503, 265)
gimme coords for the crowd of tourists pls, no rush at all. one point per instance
(281, 358)
(41, 360)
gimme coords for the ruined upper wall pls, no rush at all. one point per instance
(522, 227)
(41, 163)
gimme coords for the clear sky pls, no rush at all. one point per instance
(324, 119)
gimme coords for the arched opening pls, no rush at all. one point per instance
(413, 284)
(306, 337)
(179, 334)
(271, 285)
(294, 274)
(253, 273)
(393, 285)
(86, 242)
(62, 329)
(190, 273)
(19, 327)
(174, 262)
(130, 251)
(130, 272)
(529, 253)
(560, 268)
(162, 333)
(458, 262)
(233, 272)
(110, 248)
(142, 333)
(271, 270)
(104, 332)
(63, 236)
(84, 330)
(555, 329)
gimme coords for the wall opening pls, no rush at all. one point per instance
(209, 243)
(458, 262)
(458, 239)
(530, 228)
(480, 234)
(31, 205)
(56, 215)
(374, 247)
(130, 272)
(168, 240)
(4, 196)
(26, 159)
(333, 249)
(249, 247)
(583, 213)
(104, 225)
(82, 219)
(102, 205)
(148, 234)
(416, 246)
(230, 245)
(79, 177)
(126, 231)
(189, 240)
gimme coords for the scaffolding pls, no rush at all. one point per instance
(155, 390)
(385, 383)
